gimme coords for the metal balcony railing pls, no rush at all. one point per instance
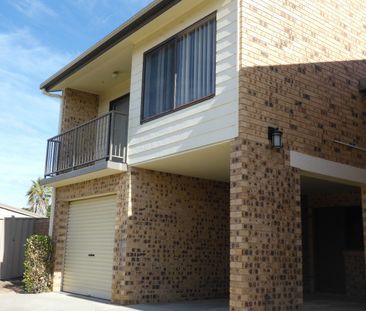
(104, 138)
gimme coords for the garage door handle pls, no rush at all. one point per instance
(91, 255)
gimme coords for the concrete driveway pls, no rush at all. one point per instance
(10, 301)
(62, 302)
(332, 303)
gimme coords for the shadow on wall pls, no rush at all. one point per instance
(313, 103)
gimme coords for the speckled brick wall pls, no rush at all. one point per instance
(300, 63)
(171, 240)
(177, 239)
(78, 107)
(363, 193)
(354, 263)
(265, 236)
(335, 199)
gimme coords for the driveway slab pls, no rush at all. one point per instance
(62, 302)
(67, 302)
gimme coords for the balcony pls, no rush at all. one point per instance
(92, 150)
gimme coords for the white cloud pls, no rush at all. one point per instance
(33, 8)
(27, 117)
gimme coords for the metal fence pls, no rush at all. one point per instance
(104, 138)
(13, 233)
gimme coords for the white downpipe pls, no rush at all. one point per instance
(53, 203)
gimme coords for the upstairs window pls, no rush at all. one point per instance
(180, 71)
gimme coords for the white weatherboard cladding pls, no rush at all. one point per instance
(90, 231)
(209, 122)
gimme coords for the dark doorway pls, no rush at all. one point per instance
(121, 104)
(119, 128)
(332, 239)
(337, 230)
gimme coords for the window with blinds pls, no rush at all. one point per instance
(181, 71)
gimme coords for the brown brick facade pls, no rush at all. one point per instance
(172, 235)
(265, 229)
(300, 63)
(78, 107)
(354, 263)
(363, 193)
(177, 239)
(299, 69)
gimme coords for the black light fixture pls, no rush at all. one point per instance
(362, 85)
(275, 136)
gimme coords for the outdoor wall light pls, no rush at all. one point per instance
(362, 85)
(275, 136)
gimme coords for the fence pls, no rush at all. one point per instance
(13, 233)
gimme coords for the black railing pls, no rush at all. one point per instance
(104, 138)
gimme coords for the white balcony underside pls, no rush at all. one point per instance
(98, 170)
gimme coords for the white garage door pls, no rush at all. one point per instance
(89, 247)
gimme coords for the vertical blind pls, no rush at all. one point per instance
(159, 80)
(196, 64)
(180, 71)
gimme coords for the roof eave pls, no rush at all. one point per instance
(139, 20)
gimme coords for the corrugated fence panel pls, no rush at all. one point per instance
(13, 233)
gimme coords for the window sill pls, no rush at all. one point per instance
(190, 104)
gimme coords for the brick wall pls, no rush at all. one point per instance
(177, 239)
(300, 63)
(78, 107)
(265, 236)
(363, 194)
(354, 263)
(171, 240)
(335, 199)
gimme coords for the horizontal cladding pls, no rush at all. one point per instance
(211, 121)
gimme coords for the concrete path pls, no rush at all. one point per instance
(333, 304)
(65, 302)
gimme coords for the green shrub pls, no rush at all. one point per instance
(37, 264)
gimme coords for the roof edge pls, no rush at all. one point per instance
(133, 24)
(20, 211)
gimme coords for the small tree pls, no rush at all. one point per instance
(37, 264)
(39, 198)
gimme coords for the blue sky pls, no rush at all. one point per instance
(36, 39)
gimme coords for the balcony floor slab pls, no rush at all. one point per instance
(98, 170)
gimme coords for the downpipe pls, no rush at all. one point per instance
(53, 198)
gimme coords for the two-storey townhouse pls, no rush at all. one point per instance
(214, 149)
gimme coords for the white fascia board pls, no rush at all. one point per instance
(327, 169)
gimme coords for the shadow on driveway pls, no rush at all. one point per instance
(11, 286)
(333, 303)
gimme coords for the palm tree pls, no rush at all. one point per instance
(39, 198)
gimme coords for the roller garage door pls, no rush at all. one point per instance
(89, 247)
